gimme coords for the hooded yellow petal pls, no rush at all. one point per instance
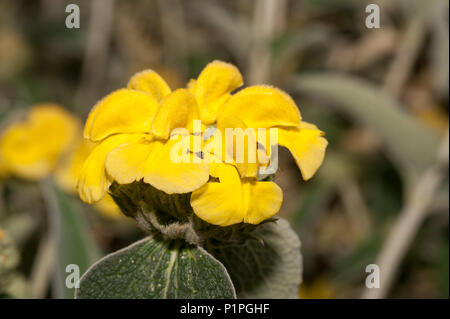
(226, 173)
(239, 145)
(262, 107)
(218, 204)
(178, 110)
(233, 200)
(307, 145)
(22, 156)
(69, 168)
(125, 164)
(164, 173)
(265, 200)
(32, 148)
(93, 181)
(213, 87)
(54, 128)
(123, 111)
(150, 82)
(156, 163)
(191, 85)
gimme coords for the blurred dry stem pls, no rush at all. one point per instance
(268, 21)
(50, 248)
(355, 208)
(440, 47)
(174, 34)
(232, 31)
(408, 50)
(135, 45)
(42, 267)
(374, 46)
(408, 222)
(96, 54)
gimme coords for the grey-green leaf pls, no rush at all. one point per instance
(412, 146)
(74, 243)
(155, 268)
(269, 270)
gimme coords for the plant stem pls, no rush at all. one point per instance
(408, 223)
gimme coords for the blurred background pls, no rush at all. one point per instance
(380, 94)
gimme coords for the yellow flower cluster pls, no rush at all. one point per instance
(31, 148)
(48, 142)
(137, 127)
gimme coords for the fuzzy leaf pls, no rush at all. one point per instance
(412, 146)
(269, 270)
(74, 243)
(154, 268)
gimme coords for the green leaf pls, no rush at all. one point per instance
(155, 268)
(412, 146)
(268, 269)
(74, 243)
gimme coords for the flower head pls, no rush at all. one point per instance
(48, 142)
(32, 148)
(137, 129)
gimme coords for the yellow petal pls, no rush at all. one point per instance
(213, 87)
(178, 110)
(93, 181)
(152, 161)
(150, 82)
(125, 164)
(307, 145)
(32, 148)
(265, 200)
(165, 174)
(21, 156)
(226, 173)
(67, 173)
(123, 111)
(233, 200)
(218, 204)
(108, 208)
(262, 107)
(240, 145)
(54, 128)
(191, 85)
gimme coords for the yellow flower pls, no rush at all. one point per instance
(133, 128)
(138, 127)
(31, 148)
(239, 196)
(67, 172)
(48, 143)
